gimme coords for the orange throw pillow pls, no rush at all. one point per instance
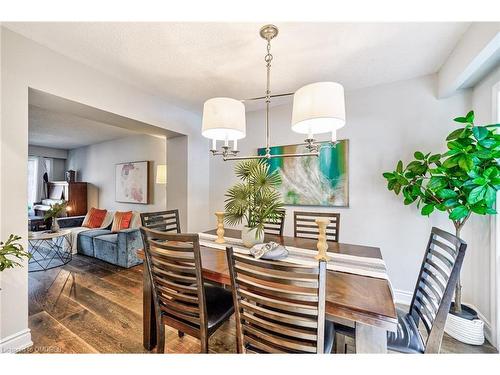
(94, 218)
(121, 221)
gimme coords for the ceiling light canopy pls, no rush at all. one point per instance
(318, 108)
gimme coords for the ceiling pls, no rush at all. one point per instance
(61, 130)
(188, 63)
(64, 124)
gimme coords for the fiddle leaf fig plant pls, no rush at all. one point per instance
(9, 250)
(256, 199)
(461, 182)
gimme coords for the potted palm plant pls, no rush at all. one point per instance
(255, 200)
(461, 182)
(53, 213)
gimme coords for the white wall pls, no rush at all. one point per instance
(384, 124)
(27, 64)
(95, 164)
(177, 178)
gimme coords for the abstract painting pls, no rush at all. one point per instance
(131, 182)
(310, 180)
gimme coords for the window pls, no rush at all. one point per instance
(35, 178)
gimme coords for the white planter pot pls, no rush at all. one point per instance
(248, 236)
(465, 330)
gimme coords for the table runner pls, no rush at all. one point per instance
(358, 265)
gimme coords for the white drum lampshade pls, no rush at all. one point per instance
(318, 108)
(223, 118)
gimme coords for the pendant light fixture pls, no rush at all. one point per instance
(318, 108)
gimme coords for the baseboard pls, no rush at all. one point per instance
(402, 297)
(16, 342)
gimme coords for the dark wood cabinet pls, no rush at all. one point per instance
(75, 193)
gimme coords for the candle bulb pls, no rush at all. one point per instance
(310, 135)
(235, 145)
(214, 144)
(334, 136)
(226, 142)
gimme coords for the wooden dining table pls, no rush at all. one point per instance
(365, 303)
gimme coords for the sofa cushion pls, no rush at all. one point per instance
(94, 218)
(121, 221)
(106, 248)
(74, 237)
(113, 238)
(85, 241)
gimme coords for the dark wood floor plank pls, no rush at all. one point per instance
(50, 292)
(113, 313)
(50, 336)
(134, 273)
(102, 335)
(107, 290)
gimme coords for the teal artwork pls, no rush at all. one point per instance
(311, 180)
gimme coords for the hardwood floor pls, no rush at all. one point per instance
(89, 306)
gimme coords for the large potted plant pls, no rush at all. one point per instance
(461, 182)
(255, 200)
(11, 250)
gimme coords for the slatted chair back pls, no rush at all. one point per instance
(275, 228)
(436, 284)
(165, 221)
(279, 307)
(306, 227)
(174, 266)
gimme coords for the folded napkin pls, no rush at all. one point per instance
(270, 251)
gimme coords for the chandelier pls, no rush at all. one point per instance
(318, 108)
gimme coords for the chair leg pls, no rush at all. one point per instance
(160, 339)
(204, 344)
(180, 333)
(340, 344)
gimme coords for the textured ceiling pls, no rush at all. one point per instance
(65, 131)
(188, 63)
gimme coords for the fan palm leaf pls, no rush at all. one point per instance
(255, 199)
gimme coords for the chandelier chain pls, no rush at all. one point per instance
(268, 58)
(267, 32)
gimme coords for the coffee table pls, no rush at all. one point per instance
(49, 249)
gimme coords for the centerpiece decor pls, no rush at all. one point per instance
(220, 227)
(461, 182)
(255, 200)
(322, 244)
(53, 213)
(11, 248)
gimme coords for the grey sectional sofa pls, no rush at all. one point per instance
(115, 248)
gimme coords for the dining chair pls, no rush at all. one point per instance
(431, 300)
(181, 298)
(279, 307)
(275, 228)
(306, 227)
(165, 221)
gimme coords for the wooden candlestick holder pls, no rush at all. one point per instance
(220, 227)
(322, 244)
